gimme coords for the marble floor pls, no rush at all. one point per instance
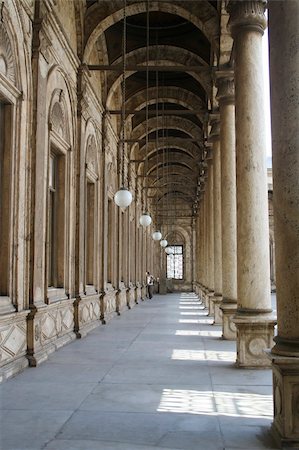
(157, 377)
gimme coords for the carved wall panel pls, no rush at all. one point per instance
(6, 56)
(89, 310)
(12, 341)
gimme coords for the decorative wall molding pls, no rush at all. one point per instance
(7, 66)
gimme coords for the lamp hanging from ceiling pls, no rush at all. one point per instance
(157, 235)
(168, 249)
(145, 219)
(163, 243)
(123, 196)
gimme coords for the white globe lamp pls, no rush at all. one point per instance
(169, 250)
(163, 243)
(145, 220)
(123, 198)
(157, 235)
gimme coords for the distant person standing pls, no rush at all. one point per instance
(149, 284)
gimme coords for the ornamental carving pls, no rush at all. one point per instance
(6, 56)
(215, 131)
(247, 14)
(91, 154)
(58, 120)
(256, 346)
(226, 90)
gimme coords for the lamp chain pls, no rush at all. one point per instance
(124, 94)
(157, 130)
(147, 87)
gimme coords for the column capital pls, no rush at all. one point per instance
(214, 134)
(247, 15)
(226, 87)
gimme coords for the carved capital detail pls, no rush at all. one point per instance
(247, 15)
(226, 90)
(215, 128)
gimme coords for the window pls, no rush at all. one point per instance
(5, 196)
(175, 263)
(133, 245)
(110, 242)
(124, 241)
(90, 233)
(56, 221)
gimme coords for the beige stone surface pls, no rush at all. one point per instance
(70, 259)
(284, 67)
(253, 263)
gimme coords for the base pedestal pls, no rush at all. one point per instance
(217, 299)
(285, 427)
(229, 330)
(210, 303)
(254, 335)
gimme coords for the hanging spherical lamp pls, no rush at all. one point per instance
(169, 250)
(123, 198)
(163, 243)
(157, 235)
(145, 220)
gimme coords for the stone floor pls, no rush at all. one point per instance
(157, 377)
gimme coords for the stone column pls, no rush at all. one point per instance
(254, 319)
(217, 298)
(226, 100)
(206, 241)
(201, 246)
(210, 235)
(284, 74)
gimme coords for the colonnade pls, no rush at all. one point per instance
(241, 276)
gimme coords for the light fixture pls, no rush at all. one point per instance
(169, 250)
(123, 196)
(145, 220)
(163, 243)
(157, 235)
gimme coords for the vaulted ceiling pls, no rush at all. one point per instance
(183, 46)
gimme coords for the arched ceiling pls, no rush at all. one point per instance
(183, 43)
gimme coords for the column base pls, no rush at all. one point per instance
(210, 303)
(285, 427)
(202, 295)
(217, 299)
(229, 330)
(254, 335)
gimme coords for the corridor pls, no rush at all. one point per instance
(157, 377)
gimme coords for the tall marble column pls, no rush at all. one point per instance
(217, 297)
(284, 76)
(226, 98)
(203, 245)
(254, 319)
(210, 235)
(204, 258)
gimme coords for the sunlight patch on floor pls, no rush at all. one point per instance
(209, 321)
(232, 404)
(205, 333)
(193, 313)
(198, 304)
(190, 307)
(203, 355)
